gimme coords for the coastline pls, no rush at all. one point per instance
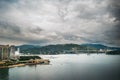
(27, 62)
(11, 66)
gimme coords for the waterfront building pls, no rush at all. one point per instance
(7, 52)
(4, 52)
(17, 53)
(12, 51)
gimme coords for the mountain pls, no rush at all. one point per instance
(97, 46)
(100, 46)
(27, 46)
(63, 48)
(52, 49)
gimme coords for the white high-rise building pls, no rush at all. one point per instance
(17, 53)
(12, 51)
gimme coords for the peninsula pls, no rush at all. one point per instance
(11, 58)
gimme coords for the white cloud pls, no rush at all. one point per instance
(55, 21)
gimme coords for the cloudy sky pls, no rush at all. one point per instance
(44, 22)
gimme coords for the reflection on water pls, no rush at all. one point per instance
(4, 74)
(69, 67)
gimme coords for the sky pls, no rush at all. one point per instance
(44, 22)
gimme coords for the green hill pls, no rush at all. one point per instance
(63, 48)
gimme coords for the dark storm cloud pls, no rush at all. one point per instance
(115, 9)
(35, 30)
(114, 33)
(7, 28)
(116, 13)
(11, 31)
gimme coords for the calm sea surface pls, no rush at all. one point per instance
(68, 67)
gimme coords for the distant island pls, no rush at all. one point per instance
(66, 49)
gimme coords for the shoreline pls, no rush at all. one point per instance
(11, 66)
(29, 62)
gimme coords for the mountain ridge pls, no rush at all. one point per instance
(60, 48)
